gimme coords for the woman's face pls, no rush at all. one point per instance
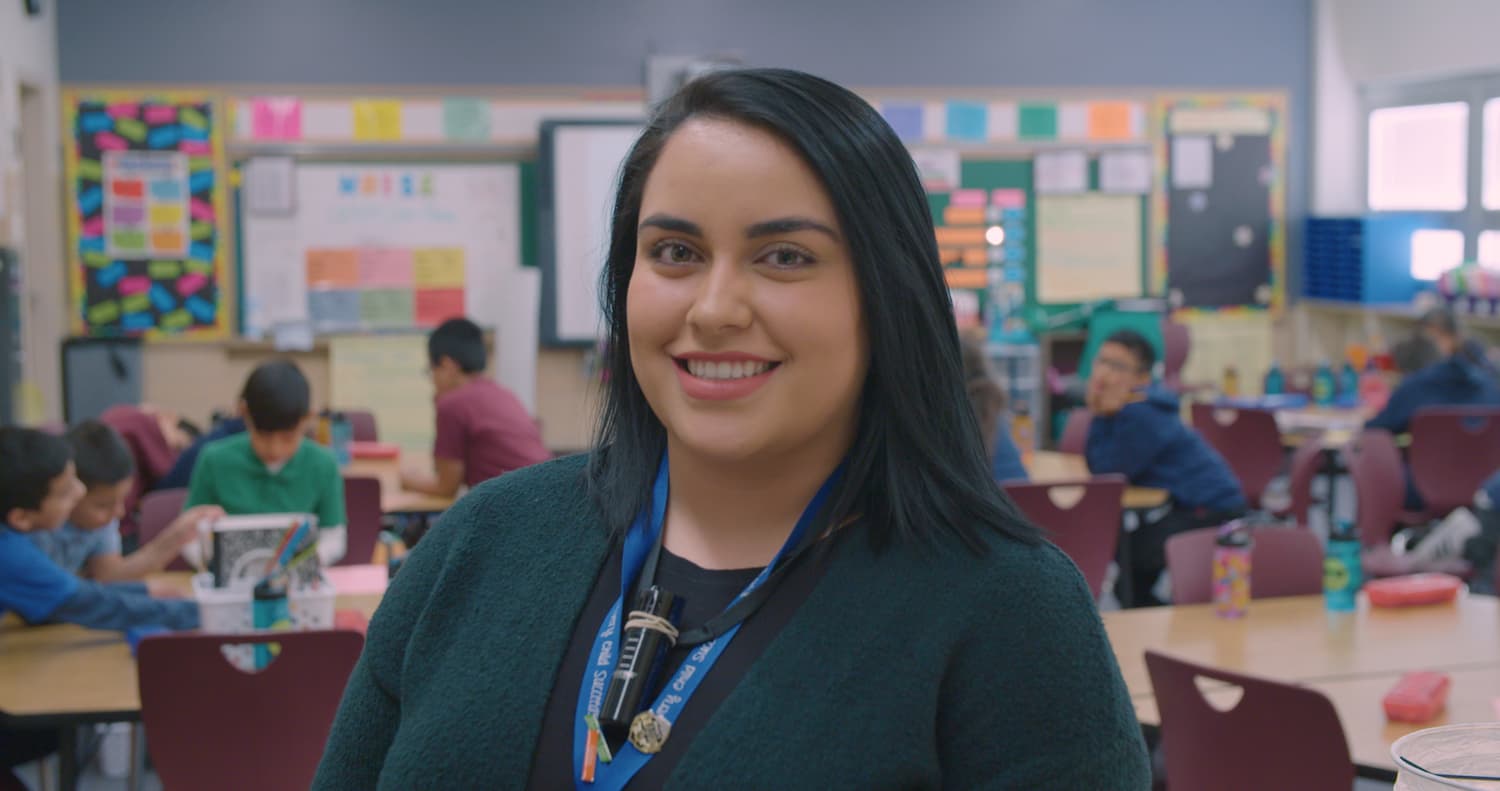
(746, 332)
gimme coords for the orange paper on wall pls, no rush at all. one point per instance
(966, 278)
(1111, 121)
(332, 267)
(960, 237)
(963, 215)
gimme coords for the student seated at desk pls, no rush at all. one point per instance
(987, 399)
(88, 543)
(181, 473)
(1462, 377)
(272, 467)
(1137, 431)
(483, 430)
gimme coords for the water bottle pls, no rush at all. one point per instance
(1348, 382)
(1231, 385)
(1232, 571)
(1275, 381)
(1323, 385)
(341, 438)
(269, 610)
(1023, 433)
(1342, 573)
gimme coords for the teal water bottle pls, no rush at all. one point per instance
(269, 610)
(341, 436)
(1323, 385)
(1275, 381)
(1342, 573)
(1348, 382)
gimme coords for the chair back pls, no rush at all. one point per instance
(1374, 465)
(215, 726)
(1453, 450)
(158, 509)
(1307, 462)
(362, 421)
(1248, 439)
(363, 517)
(1276, 736)
(1283, 562)
(1087, 530)
(1075, 434)
(1177, 342)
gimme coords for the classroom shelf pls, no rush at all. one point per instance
(1399, 312)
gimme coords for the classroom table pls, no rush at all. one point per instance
(393, 498)
(1333, 427)
(64, 676)
(1352, 657)
(1047, 466)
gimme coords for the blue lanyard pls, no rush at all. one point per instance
(642, 539)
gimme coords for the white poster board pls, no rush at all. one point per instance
(1088, 247)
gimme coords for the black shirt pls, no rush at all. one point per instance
(705, 593)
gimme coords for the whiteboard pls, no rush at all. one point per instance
(383, 247)
(578, 175)
(1088, 247)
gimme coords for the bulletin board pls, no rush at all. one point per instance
(1219, 205)
(356, 247)
(146, 209)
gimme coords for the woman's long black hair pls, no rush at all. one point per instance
(917, 469)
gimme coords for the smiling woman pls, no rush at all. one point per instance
(786, 472)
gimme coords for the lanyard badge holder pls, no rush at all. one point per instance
(613, 688)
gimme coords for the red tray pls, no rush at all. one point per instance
(1413, 589)
(374, 450)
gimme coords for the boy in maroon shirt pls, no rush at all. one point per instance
(482, 428)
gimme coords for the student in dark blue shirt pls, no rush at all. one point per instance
(182, 470)
(987, 399)
(1462, 377)
(1137, 431)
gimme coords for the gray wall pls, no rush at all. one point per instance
(1035, 43)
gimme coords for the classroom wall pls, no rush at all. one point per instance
(1042, 44)
(1400, 40)
(31, 179)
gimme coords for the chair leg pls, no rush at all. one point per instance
(137, 756)
(44, 777)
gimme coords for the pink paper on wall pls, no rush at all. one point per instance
(276, 118)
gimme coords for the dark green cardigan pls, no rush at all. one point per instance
(903, 669)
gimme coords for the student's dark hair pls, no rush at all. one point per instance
(917, 468)
(29, 460)
(461, 341)
(986, 396)
(1137, 344)
(1442, 320)
(100, 454)
(276, 396)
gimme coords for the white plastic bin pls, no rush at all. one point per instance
(1471, 750)
(229, 611)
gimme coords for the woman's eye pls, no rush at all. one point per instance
(674, 253)
(787, 258)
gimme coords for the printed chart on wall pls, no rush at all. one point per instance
(143, 216)
(1219, 213)
(352, 248)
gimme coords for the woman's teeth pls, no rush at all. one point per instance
(705, 369)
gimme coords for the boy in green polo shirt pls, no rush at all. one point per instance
(272, 468)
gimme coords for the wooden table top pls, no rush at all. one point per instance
(393, 498)
(1046, 466)
(56, 672)
(1296, 639)
(1472, 697)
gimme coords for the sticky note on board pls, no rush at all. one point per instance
(968, 121)
(89, 169)
(164, 137)
(200, 231)
(131, 129)
(103, 312)
(159, 114)
(201, 267)
(176, 320)
(110, 275)
(192, 118)
(95, 259)
(377, 119)
(136, 303)
(168, 242)
(164, 270)
(438, 267)
(466, 119)
(128, 241)
(136, 322)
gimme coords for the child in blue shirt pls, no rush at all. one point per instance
(987, 399)
(88, 543)
(1462, 376)
(1137, 431)
(41, 489)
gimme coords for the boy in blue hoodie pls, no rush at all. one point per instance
(1137, 431)
(38, 489)
(1463, 377)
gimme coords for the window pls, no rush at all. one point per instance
(1418, 158)
(1489, 250)
(1491, 181)
(1435, 251)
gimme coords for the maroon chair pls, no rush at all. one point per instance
(158, 509)
(1176, 342)
(362, 515)
(1453, 450)
(1306, 463)
(362, 421)
(215, 726)
(1086, 531)
(1075, 433)
(1248, 439)
(1374, 465)
(1284, 561)
(1276, 736)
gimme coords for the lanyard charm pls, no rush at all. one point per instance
(648, 732)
